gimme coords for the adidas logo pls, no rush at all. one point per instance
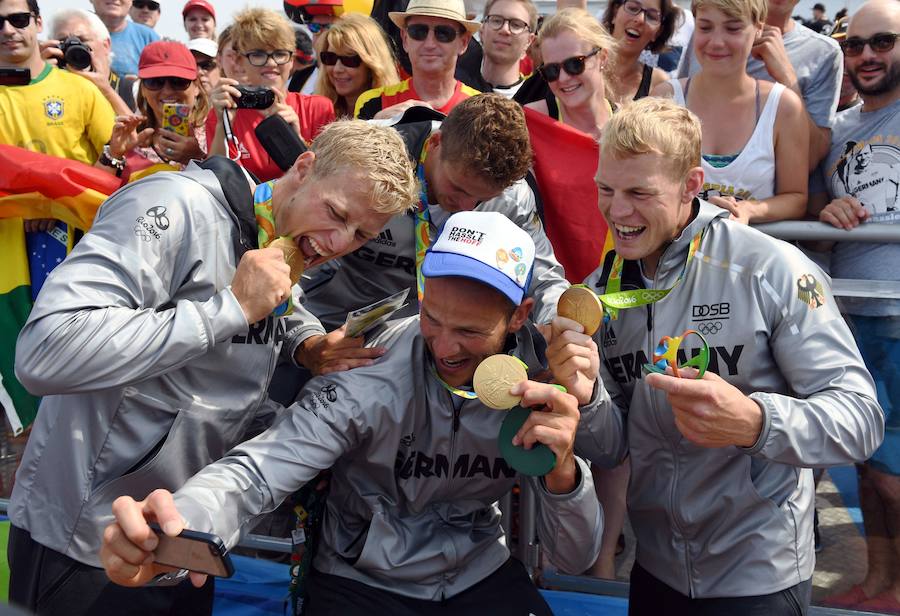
(385, 238)
(610, 338)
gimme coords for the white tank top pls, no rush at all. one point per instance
(752, 174)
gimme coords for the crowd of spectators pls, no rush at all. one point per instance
(799, 121)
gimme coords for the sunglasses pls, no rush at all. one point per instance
(573, 66)
(207, 65)
(496, 22)
(329, 58)
(258, 57)
(316, 28)
(17, 20)
(651, 16)
(145, 4)
(880, 43)
(154, 84)
(442, 33)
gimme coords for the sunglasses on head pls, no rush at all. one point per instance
(145, 4)
(155, 84)
(573, 66)
(329, 58)
(207, 65)
(442, 33)
(17, 20)
(880, 43)
(258, 57)
(316, 28)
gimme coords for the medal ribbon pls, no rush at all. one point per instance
(456, 391)
(615, 299)
(422, 223)
(265, 223)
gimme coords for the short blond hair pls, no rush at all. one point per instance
(583, 25)
(654, 126)
(360, 34)
(345, 147)
(258, 28)
(752, 11)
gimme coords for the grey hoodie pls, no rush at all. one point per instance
(148, 368)
(732, 522)
(416, 477)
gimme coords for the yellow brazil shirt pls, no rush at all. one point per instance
(58, 113)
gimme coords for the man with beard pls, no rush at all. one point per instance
(862, 173)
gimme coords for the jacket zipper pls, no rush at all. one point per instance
(675, 470)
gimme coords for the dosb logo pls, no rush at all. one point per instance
(711, 311)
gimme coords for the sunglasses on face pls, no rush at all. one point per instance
(329, 58)
(258, 57)
(17, 20)
(316, 28)
(651, 16)
(495, 22)
(442, 33)
(880, 43)
(573, 66)
(154, 84)
(145, 4)
(207, 65)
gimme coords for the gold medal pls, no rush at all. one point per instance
(292, 256)
(493, 379)
(582, 306)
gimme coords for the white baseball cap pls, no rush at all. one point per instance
(483, 246)
(207, 47)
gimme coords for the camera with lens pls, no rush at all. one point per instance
(75, 54)
(255, 97)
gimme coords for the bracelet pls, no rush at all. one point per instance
(107, 159)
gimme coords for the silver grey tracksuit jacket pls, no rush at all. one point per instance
(412, 507)
(148, 368)
(730, 521)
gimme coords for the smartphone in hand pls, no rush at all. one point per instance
(194, 551)
(175, 117)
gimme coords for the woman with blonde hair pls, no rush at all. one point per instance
(264, 42)
(755, 134)
(575, 49)
(356, 56)
(156, 135)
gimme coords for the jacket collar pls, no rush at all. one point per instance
(672, 259)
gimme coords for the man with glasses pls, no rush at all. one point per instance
(57, 113)
(128, 38)
(435, 33)
(862, 184)
(507, 31)
(88, 28)
(145, 12)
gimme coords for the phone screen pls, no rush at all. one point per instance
(15, 76)
(194, 551)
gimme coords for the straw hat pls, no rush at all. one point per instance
(448, 9)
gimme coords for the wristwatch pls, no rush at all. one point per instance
(108, 160)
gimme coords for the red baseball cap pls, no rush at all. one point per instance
(198, 4)
(167, 59)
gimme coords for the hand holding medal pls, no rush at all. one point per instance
(501, 382)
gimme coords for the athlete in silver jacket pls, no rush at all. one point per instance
(730, 522)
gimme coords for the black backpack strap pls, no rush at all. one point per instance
(239, 197)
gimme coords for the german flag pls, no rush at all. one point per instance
(35, 185)
(565, 162)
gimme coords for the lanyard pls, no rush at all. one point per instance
(456, 391)
(615, 299)
(265, 223)
(422, 220)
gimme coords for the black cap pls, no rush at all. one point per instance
(818, 6)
